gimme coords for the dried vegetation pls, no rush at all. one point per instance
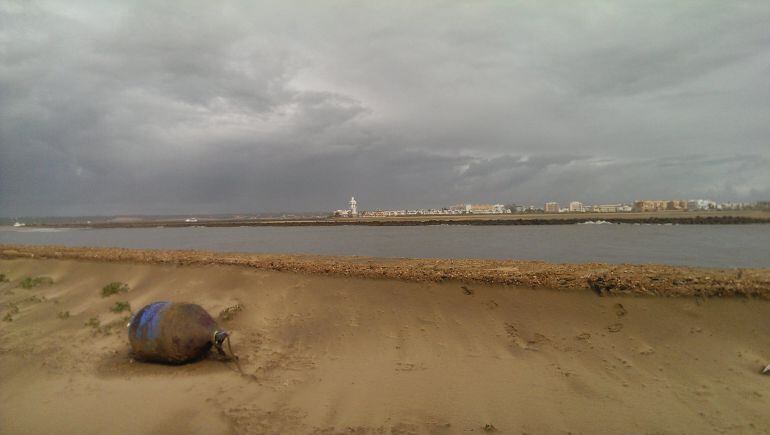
(604, 279)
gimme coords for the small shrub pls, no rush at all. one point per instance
(3, 278)
(119, 307)
(64, 314)
(114, 288)
(14, 309)
(30, 282)
(8, 317)
(93, 322)
(230, 312)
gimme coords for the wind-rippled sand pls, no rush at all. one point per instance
(336, 354)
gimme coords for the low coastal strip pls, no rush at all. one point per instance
(604, 279)
(636, 218)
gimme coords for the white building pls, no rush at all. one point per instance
(486, 209)
(551, 207)
(500, 209)
(353, 206)
(608, 208)
(576, 206)
(701, 204)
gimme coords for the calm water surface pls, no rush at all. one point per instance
(695, 245)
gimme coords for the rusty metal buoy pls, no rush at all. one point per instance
(174, 333)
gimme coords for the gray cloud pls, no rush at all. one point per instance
(219, 107)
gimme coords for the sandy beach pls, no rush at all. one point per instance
(337, 351)
(235, 217)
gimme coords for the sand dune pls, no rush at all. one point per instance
(335, 354)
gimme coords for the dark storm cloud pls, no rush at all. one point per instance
(189, 107)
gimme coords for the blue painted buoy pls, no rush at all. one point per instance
(174, 333)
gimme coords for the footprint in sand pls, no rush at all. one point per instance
(615, 327)
(513, 333)
(250, 418)
(408, 367)
(620, 310)
(537, 339)
(646, 350)
(529, 344)
(584, 336)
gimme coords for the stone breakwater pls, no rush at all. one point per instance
(604, 279)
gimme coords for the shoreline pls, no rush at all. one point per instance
(602, 278)
(652, 218)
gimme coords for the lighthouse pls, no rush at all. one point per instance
(353, 209)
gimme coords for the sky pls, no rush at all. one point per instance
(175, 107)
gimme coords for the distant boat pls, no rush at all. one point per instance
(19, 224)
(191, 220)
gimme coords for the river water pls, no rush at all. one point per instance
(695, 245)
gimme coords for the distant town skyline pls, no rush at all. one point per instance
(644, 205)
(566, 206)
(114, 108)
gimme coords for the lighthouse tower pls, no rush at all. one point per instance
(353, 209)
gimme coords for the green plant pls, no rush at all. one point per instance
(93, 322)
(3, 278)
(32, 282)
(8, 318)
(120, 307)
(114, 288)
(64, 314)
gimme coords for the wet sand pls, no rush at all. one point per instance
(349, 354)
